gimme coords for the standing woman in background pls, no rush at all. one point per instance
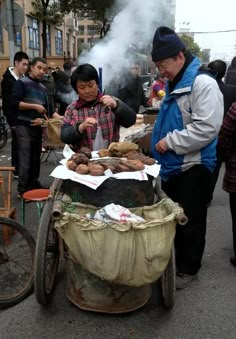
(227, 152)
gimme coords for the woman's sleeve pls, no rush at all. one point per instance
(69, 132)
(125, 115)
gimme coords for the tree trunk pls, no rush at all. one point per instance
(44, 39)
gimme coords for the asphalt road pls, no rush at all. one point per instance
(206, 310)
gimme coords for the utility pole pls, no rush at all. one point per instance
(10, 30)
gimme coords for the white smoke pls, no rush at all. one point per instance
(135, 23)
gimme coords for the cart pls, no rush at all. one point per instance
(85, 289)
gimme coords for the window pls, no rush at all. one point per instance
(18, 38)
(81, 30)
(58, 42)
(48, 35)
(74, 46)
(67, 42)
(33, 30)
(93, 30)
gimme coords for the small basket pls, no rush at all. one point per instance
(51, 134)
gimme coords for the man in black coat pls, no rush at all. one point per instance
(131, 90)
(228, 90)
(12, 74)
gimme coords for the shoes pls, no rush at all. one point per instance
(184, 280)
(233, 261)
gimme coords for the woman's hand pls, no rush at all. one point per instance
(108, 101)
(89, 122)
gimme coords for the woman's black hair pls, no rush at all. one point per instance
(85, 72)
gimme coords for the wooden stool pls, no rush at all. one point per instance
(6, 210)
(38, 196)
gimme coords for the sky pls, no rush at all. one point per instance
(210, 16)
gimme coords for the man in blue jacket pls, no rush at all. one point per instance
(184, 143)
(30, 101)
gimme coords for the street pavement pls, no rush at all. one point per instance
(205, 310)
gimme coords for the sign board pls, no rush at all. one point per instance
(17, 17)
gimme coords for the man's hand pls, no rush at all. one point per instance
(89, 122)
(108, 101)
(161, 146)
(40, 109)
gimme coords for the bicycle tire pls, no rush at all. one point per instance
(14, 257)
(168, 282)
(44, 278)
(3, 140)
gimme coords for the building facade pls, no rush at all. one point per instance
(62, 42)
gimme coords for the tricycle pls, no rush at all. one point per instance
(106, 267)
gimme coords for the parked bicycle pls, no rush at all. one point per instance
(3, 131)
(17, 248)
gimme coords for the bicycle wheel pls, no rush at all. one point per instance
(16, 262)
(168, 277)
(46, 256)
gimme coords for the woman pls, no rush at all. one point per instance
(94, 119)
(227, 152)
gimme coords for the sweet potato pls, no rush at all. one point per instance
(95, 169)
(103, 153)
(122, 147)
(149, 161)
(82, 169)
(86, 151)
(71, 165)
(133, 165)
(80, 158)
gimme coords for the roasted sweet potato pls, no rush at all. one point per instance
(71, 165)
(86, 151)
(103, 153)
(80, 158)
(95, 169)
(82, 169)
(121, 168)
(133, 165)
(122, 147)
(149, 161)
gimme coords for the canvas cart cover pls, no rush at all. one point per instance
(132, 254)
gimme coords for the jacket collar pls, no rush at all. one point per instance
(81, 103)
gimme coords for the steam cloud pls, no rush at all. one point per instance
(135, 23)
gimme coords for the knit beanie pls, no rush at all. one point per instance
(166, 43)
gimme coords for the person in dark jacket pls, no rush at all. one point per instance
(131, 89)
(231, 73)
(94, 119)
(12, 74)
(229, 96)
(227, 151)
(30, 100)
(64, 93)
(228, 90)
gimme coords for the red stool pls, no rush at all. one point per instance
(38, 196)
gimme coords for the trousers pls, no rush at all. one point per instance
(232, 204)
(29, 139)
(191, 190)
